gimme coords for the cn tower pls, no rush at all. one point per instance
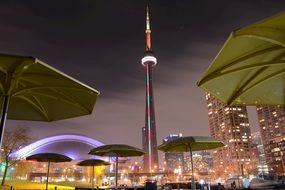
(150, 160)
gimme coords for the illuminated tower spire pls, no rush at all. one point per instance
(149, 130)
(148, 31)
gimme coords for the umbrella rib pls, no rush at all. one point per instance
(38, 106)
(17, 73)
(260, 64)
(11, 78)
(259, 36)
(64, 98)
(243, 90)
(44, 76)
(239, 91)
(259, 72)
(219, 72)
(3, 71)
(50, 86)
(2, 82)
(72, 101)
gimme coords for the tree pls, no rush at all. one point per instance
(13, 140)
(22, 168)
(98, 174)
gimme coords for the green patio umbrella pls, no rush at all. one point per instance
(49, 157)
(32, 90)
(189, 144)
(250, 67)
(93, 163)
(117, 150)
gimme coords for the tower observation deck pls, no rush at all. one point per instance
(149, 61)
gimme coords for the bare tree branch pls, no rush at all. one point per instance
(13, 140)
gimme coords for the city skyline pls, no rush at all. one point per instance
(100, 44)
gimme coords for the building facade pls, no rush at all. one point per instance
(174, 161)
(150, 159)
(258, 155)
(203, 162)
(272, 128)
(230, 125)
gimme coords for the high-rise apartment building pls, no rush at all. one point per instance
(203, 162)
(272, 128)
(230, 125)
(258, 155)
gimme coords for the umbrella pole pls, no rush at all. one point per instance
(192, 168)
(3, 116)
(92, 177)
(116, 177)
(47, 175)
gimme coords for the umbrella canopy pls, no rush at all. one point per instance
(250, 67)
(32, 90)
(93, 162)
(117, 150)
(189, 144)
(49, 157)
(120, 150)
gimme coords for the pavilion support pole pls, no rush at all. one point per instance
(47, 175)
(116, 177)
(92, 178)
(192, 168)
(6, 99)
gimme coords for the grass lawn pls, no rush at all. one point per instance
(26, 185)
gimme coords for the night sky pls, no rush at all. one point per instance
(101, 43)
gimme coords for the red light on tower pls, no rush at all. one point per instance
(149, 130)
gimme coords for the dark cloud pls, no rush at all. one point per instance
(101, 42)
